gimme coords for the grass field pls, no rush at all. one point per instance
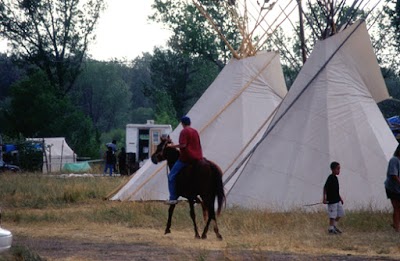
(40, 206)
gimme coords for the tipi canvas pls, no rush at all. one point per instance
(234, 109)
(329, 114)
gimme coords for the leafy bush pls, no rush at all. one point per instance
(30, 156)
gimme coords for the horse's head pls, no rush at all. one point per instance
(158, 155)
(163, 152)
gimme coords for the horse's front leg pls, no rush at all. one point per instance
(193, 216)
(170, 213)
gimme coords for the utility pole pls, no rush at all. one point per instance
(302, 43)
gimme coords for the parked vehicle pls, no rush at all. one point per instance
(5, 238)
(4, 167)
(142, 141)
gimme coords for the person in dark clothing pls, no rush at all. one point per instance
(109, 158)
(122, 162)
(331, 196)
(113, 146)
(392, 187)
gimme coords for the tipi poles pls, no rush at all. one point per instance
(62, 152)
(302, 43)
(266, 32)
(260, 46)
(207, 16)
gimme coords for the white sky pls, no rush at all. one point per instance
(124, 32)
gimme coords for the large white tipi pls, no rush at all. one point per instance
(232, 114)
(234, 109)
(329, 114)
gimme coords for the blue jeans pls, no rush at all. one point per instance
(109, 166)
(171, 178)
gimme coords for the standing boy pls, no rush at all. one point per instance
(333, 199)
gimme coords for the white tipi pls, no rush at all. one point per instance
(234, 109)
(329, 114)
(233, 113)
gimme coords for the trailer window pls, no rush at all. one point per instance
(156, 137)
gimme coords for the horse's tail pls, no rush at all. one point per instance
(220, 193)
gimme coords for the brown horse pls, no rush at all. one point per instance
(198, 183)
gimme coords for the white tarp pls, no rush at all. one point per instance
(329, 114)
(229, 115)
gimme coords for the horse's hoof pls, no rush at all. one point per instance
(204, 237)
(167, 232)
(197, 236)
(219, 238)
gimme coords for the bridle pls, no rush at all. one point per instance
(159, 155)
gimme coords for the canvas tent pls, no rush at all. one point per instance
(57, 153)
(229, 117)
(329, 114)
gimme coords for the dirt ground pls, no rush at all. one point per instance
(60, 249)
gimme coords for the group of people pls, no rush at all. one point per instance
(110, 158)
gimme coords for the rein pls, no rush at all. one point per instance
(166, 169)
(162, 151)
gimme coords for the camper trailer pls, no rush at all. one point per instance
(142, 141)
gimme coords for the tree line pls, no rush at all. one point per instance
(50, 87)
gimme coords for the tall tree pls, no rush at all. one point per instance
(103, 94)
(10, 73)
(393, 10)
(193, 34)
(320, 23)
(139, 76)
(35, 111)
(179, 80)
(51, 34)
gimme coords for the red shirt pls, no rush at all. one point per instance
(192, 151)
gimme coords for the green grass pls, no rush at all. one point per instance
(43, 191)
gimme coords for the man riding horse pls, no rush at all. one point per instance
(190, 152)
(199, 182)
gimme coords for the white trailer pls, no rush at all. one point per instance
(142, 139)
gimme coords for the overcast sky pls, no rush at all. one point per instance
(123, 31)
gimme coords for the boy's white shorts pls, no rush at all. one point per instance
(335, 210)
